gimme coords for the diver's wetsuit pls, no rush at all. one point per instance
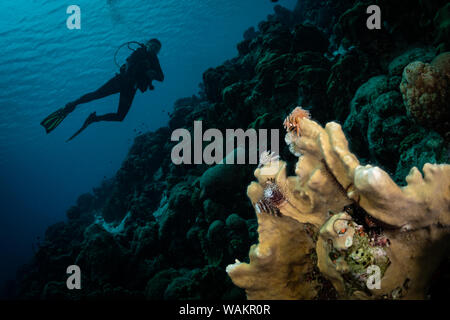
(133, 75)
(141, 69)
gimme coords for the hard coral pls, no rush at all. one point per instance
(401, 232)
(425, 90)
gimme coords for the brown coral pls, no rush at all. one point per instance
(425, 90)
(407, 237)
(279, 263)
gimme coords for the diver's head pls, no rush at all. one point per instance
(153, 45)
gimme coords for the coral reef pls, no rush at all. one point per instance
(278, 265)
(387, 135)
(425, 89)
(170, 231)
(403, 233)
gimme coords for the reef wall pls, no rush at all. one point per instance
(161, 231)
(354, 219)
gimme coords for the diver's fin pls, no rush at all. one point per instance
(53, 120)
(88, 121)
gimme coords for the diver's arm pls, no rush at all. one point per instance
(154, 70)
(151, 74)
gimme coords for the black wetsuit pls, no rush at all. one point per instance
(132, 76)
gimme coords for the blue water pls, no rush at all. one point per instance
(43, 65)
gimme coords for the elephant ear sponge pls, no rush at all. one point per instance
(425, 90)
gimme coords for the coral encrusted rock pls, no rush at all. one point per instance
(425, 89)
(349, 224)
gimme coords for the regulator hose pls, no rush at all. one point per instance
(123, 44)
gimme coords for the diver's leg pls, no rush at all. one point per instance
(109, 88)
(125, 101)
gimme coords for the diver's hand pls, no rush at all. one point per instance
(151, 74)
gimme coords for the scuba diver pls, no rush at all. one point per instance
(140, 69)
